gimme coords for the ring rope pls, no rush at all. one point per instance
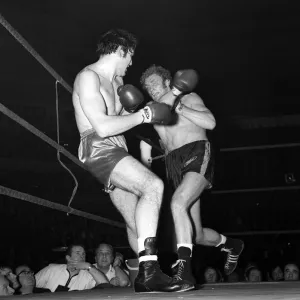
(260, 147)
(40, 134)
(264, 189)
(36, 200)
(61, 149)
(45, 138)
(58, 153)
(30, 49)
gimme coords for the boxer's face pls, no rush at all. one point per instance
(124, 63)
(156, 87)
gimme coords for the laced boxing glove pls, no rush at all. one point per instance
(184, 81)
(157, 113)
(130, 97)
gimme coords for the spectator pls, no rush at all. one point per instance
(276, 273)
(5, 289)
(26, 279)
(291, 272)
(12, 278)
(212, 275)
(110, 265)
(253, 273)
(77, 274)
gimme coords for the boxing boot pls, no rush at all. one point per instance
(150, 278)
(234, 248)
(182, 271)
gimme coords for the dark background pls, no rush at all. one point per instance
(247, 55)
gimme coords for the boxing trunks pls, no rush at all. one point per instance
(192, 157)
(101, 155)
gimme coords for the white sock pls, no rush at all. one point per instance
(147, 257)
(141, 244)
(186, 245)
(223, 240)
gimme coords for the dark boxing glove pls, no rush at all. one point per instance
(157, 113)
(184, 81)
(130, 97)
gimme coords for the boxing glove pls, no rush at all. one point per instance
(157, 113)
(130, 97)
(184, 81)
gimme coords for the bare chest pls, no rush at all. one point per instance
(111, 98)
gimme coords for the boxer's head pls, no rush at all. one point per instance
(156, 81)
(120, 45)
(116, 39)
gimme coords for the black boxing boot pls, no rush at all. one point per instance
(182, 270)
(234, 248)
(150, 278)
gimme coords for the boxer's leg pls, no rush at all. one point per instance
(130, 175)
(126, 203)
(202, 236)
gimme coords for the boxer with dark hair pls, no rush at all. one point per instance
(104, 110)
(189, 166)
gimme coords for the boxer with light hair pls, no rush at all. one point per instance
(189, 164)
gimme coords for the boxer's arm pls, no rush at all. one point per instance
(146, 158)
(192, 107)
(94, 108)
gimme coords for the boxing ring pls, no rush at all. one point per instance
(239, 291)
(264, 290)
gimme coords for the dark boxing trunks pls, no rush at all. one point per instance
(101, 155)
(192, 157)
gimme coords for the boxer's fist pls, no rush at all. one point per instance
(184, 81)
(130, 97)
(157, 113)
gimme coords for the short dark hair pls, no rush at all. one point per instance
(70, 248)
(109, 245)
(158, 70)
(115, 38)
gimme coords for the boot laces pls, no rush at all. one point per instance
(231, 258)
(180, 270)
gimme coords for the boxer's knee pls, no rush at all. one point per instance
(179, 203)
(200, 237)
(154, 189)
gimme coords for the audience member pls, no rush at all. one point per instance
(77, 274)
(253, 273)
(110, 265)
(5, 289)
(12, 278)
(276, 273)
(212, 275)
(291, 272)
